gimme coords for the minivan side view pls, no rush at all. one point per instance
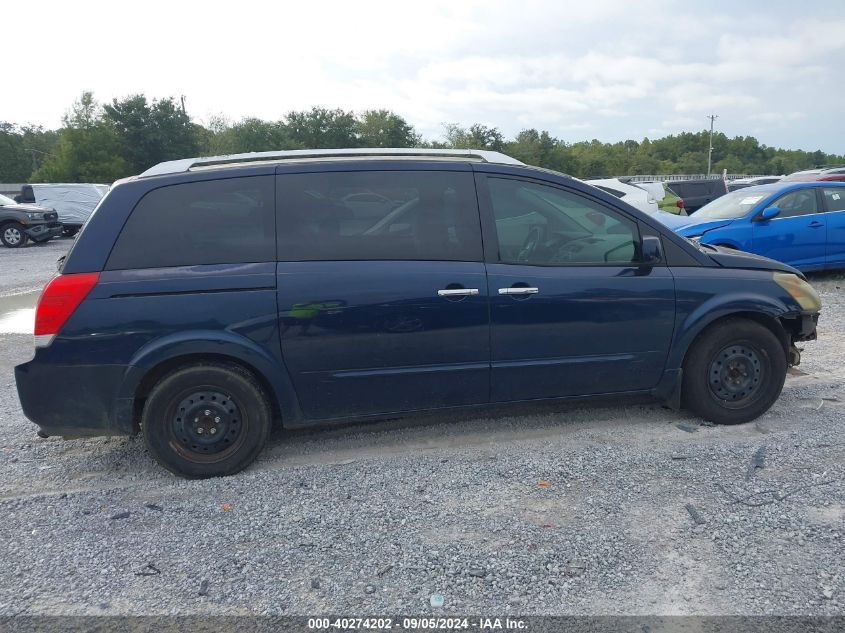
(310, 287)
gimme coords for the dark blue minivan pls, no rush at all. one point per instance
(208, 299)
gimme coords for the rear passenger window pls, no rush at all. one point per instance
(795, 203)
(227, 221)
(378, 215)
(835, 199)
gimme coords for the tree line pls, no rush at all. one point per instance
(103, 142)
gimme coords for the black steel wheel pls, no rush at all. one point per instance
(206, 420)
(733, 372)
(736, 375)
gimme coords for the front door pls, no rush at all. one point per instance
(572, 310)
(798, 235)
(382, 292)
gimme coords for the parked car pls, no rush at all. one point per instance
(742, 183)
(826, 174)
(638, 197)
(20, 223)
(696, 193)
(73, 202)
(799, 223)
(493, 282)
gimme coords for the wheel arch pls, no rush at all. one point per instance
(669, 389)
(771, 323)
(153, 362)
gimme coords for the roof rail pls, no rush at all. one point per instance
(186, 164)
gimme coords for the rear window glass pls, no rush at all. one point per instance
(227, 221)
(378, 215)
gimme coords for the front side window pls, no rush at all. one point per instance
(378, 215)
(795, 203)
(229, 221)
(545, 226)
(835, 199)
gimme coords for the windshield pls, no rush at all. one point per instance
(732, 205)
(6, 200)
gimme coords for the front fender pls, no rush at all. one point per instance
(210, 342)
(717, 307)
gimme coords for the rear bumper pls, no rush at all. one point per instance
(41, 232)
(73, 400)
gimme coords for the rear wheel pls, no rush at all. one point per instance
(734, 372)
(70, 231)
(12, 235)
(206, 420)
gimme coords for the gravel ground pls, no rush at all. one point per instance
(607, 509)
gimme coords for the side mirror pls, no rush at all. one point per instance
(769, 213)
(652, 250)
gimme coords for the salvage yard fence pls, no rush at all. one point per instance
(670, 177)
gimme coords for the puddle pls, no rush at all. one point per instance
(17, 313)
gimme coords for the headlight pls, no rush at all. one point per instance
(800, 290)
(35, 216)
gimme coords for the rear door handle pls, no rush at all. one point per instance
(518, 291)
(815, 225)
(458, 292)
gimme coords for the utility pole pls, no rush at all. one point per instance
(712, 118)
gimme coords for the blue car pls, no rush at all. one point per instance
(798, 223)
(208, 300)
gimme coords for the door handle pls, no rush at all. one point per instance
(815, 225)
(458, 292)
(518, 291)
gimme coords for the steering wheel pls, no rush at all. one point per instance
(536, 236)
(571, 248)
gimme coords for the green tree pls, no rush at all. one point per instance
(151, 132)
(247, 135)
(87, 151)
(320, 128)
(476, 137)
(382, 128)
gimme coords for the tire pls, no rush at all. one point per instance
(734, 372)
(186, 404)
(70, 231)
(12, 235)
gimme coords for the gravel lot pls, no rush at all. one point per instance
(607, 509)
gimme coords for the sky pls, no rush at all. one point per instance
(598, 69)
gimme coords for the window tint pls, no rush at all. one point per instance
(385, 215)
(542, 225)
(795, 203)
(213, 222)
(835, 199)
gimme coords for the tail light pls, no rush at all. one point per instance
(61, 297)
(679, 203)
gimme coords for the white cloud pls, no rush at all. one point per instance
(565, 67)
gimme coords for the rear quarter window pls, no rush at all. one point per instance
(228, 221)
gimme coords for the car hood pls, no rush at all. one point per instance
(688, 225)
(32, 208)
(730, 258)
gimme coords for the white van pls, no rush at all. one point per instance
(74, 202)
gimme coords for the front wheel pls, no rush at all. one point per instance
(734, 372)
(12, 235)
(207, 420)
